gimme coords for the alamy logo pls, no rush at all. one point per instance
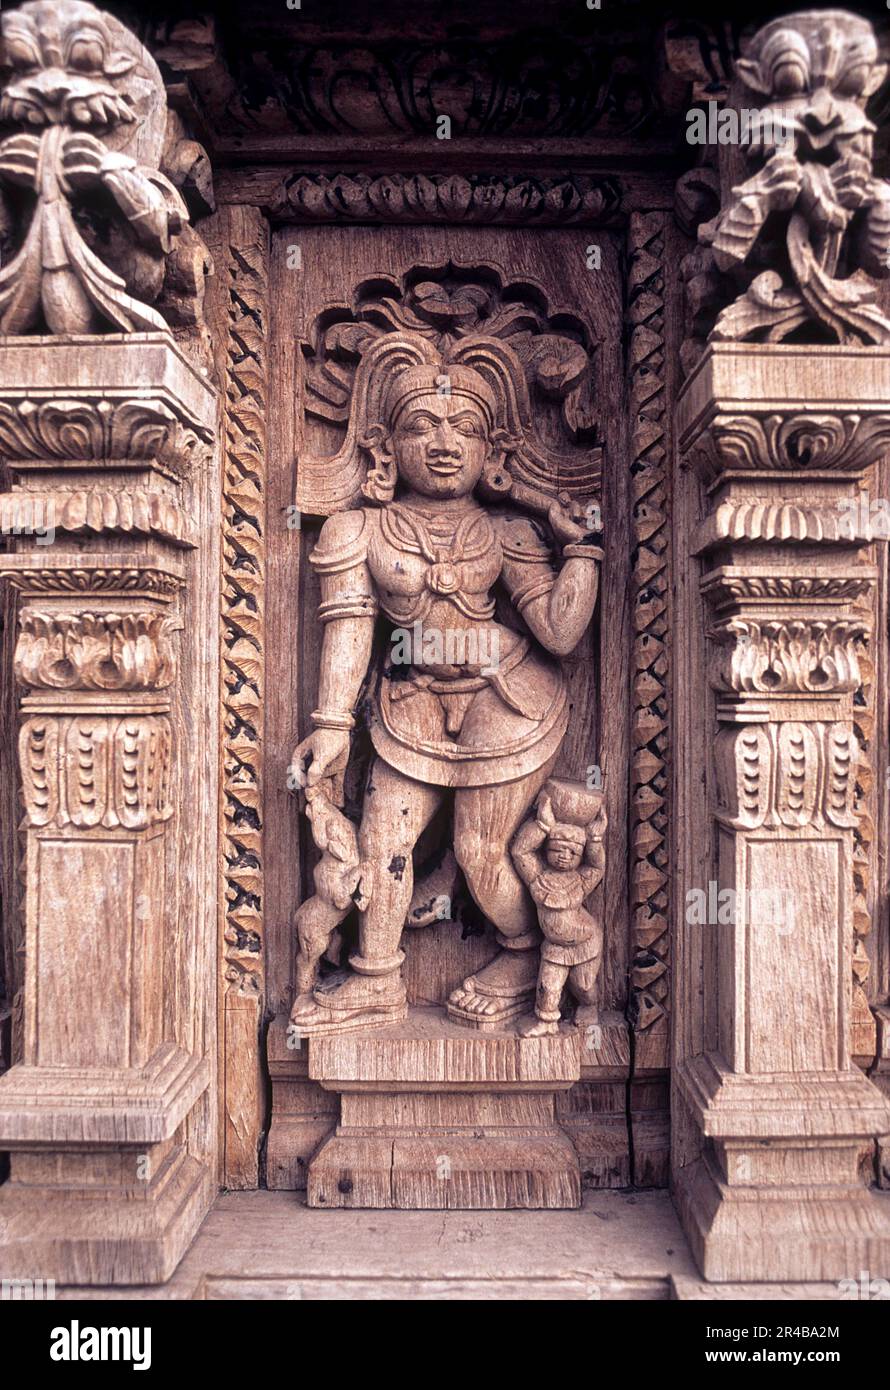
(760, 907)
(30, 1290)
(726, 126)
(450, 646)
(76, 1343)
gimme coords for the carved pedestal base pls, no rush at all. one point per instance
(778, 1189)
(433, 1118)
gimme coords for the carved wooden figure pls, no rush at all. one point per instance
(93, 93)
(463, 702)
(810, 204)
(559, 854)
(339, 885)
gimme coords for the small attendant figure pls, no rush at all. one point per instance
(560, 857)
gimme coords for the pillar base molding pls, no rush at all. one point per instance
(761, 1234)
(122, 1237)
(781, 1105)
(776, 1193)
(64, 1105)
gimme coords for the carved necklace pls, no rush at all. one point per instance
(444, 545)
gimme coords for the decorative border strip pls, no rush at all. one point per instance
(245, 268)
(575, 199)
(650, 981)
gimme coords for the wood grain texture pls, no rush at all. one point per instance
(115, 1096)
(775, 1061)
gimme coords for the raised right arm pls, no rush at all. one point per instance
(526, 843)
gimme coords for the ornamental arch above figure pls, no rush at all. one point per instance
(456, 573)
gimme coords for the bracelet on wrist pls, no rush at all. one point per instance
(581, 550)
(332, 719)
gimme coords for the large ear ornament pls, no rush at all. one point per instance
(380, 484)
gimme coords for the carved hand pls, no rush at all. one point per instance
(818, 199)
(852, 181)
(564, 528)
(19, 159)
(321, 754)
(545, 817)
(780, 181)
(82, 160)
(597, 828)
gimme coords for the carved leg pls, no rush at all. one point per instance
(485, 820)
(551, 982)
(582, 985)
(396, 811)
(315, 923)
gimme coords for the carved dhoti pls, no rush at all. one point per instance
(473, 731)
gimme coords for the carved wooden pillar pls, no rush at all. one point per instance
(782, 415)
(782, 436)
(106, 440)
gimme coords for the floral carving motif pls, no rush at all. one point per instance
(127, 511)
(844, 441)
(94, 579)
(449, 198)
(650, 726)
(787, 773)
(94, 651)
(805, 655)
(95, 430)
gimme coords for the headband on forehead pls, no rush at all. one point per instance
(425, 381)
(568, 834)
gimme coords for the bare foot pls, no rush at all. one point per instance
(496, 989)
(303, 1005)
(538, 1028)
(358, 1001)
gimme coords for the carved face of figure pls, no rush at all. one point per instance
(440, 443)
(563, 854)
(64, 58)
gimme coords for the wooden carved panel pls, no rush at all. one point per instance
(455, 302)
